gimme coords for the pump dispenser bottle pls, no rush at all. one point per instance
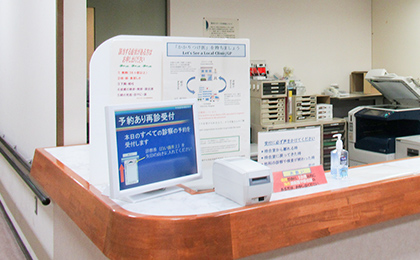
(339, 160)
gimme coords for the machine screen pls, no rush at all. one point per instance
(376, 113)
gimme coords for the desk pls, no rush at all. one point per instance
(342, 105)
(225, 230)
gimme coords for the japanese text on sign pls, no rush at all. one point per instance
(154, 140)
(205, 50)
(298, 178)
(134, 55)
(145, 119)
(291, 149)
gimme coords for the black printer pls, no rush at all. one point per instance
(373, 129)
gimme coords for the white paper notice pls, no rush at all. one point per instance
(123, 70)
(215, 72)
(290, 149)
(220, 28)
(137, 70)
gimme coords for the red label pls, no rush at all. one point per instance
(298, 178)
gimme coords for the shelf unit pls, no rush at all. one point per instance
(304, 108)
(328, 141)
(268, 102)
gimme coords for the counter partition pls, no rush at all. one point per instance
(190, 226)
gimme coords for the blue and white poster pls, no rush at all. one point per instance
(154, 145)
(215, 72)
(141, 69)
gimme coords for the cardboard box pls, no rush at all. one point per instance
(360, 85)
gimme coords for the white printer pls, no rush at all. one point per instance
(407, 146)
(242, 180)
(372, 130)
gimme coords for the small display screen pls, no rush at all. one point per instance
(155, 145)
(373, 112)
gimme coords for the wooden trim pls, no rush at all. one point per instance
(60, 73)
(228, 234)
(90, 36)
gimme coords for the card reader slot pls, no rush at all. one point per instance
(259, 180)
(412, 152)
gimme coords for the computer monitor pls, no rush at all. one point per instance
(152, 146)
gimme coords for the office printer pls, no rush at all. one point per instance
(372, 130)
(242, 180)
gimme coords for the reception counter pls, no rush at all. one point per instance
(188, 225)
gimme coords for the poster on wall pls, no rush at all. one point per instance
(220, 28)
(215, 72)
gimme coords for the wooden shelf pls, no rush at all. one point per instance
(229, 234)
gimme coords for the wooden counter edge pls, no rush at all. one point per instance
(122, 234)
(230, 234)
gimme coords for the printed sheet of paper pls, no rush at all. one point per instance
(215, 72)
(294, 157)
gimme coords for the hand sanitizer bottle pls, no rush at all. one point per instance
(339, 160)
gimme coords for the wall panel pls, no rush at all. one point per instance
(27, 74)
(323, 40)
(395, 36)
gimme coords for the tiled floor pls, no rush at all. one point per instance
(9, 247)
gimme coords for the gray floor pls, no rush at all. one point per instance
(9, 244)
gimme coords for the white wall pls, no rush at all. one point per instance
(323, 40)
(75, 83)
(27, 74)
(396, 37)
(34, 228)
(28, 103)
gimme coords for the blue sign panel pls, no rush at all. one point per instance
(155, 145)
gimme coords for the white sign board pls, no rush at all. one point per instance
(215, 72)
(123, 70)
(290, 149)
(131, 69)
(136, 72)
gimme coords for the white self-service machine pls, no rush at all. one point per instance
(372, 130)
(242, 180)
